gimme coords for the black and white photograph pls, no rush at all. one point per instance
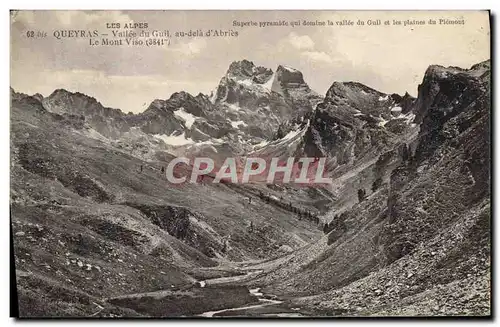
(256, 164)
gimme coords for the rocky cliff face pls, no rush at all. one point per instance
(290, 83)
(354, 121)
(107, 121)
(26, 101)
(176, 115)
(420, 243)
(444, 94)
(453, 151)
(354, 127)
(262, 99)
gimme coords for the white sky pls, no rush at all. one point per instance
(387, 58)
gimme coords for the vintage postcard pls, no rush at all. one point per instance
(252, 164)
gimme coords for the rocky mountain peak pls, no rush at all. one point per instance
(351, 90)
(106, 121)
(406, 102)
(16, 95)
(259, 100)
(38, 96)
(242, 68)
(482, 65)
(63, 93)
(443, 85)
(246, 70)
(64, 101)
(197, 106)
(444, 94)
(289, 77)
(29, 101)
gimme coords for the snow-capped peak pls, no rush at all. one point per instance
(186, 117)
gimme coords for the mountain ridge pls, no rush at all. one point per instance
(404, 229)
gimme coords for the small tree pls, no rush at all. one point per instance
(376, 184)
(361, 195)
(405, 152)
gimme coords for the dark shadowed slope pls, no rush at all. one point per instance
(87, 220)
(419, 245)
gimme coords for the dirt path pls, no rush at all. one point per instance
(256, 292)
(267, 305)
(230, 279)
(264, 303)
(265, 308)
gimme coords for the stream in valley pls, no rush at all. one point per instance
(268, 305)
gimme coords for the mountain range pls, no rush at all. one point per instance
(403, 230)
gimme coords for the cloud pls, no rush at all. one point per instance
(191, 48)
(301, 42)
(307, 48)
(317, 56)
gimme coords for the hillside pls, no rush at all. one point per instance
(403, 230)
(86, 218)
(420, 244)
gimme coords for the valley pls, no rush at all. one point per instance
(402, 230)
